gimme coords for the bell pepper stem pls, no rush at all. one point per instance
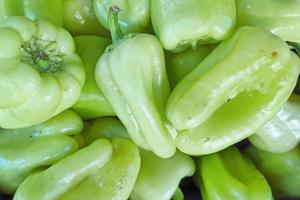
(296, 46)
(114, 26)
(178, 195)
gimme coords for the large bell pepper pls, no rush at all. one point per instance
(103, 170)
(233, 92)
(230, 175)
(40, 73)
(280, 17)
(282, 170)
(91, 103)
(282, 133)
(132, 75)
(50, 10)
(134, 15)
(25, 150)
(187, 23)
(80, 18)
(180, 64)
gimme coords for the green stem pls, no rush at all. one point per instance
(295, 46)
(178, 195)
(114, 26)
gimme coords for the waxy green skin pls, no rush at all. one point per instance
(281, 170)
(103, 170)
(50, 10)
(133, 78)
(238, 96)
(282, 133)
(24, 150)
(134, 15)
(182, 24)
(80, 18)
(280, 17)
(91, 103)
(180, 64)
(40, 73)
(230, 175)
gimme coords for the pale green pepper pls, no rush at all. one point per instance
(188, 23)
(233, 92)
(91, 103)
(132, 75)
(25, 150)
(282, 133)
(230, 175)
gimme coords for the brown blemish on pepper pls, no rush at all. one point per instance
(274, 54)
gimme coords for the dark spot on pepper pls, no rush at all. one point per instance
(228, 100)
(274, 54)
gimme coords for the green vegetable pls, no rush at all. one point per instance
(50, 10)
(137, 87)
(282, 133)
(40, 73)
(281, 170)
(25, 150)
(91, 103)
(103, 170)
(180, 64)
(188, 23)
(233, 92)
(134, 16)
(280, 17)
(80, 18)
(229, 175)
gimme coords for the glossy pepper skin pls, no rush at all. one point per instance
(41, 75)
(282, 133)
(238, 96)
(91, 103)
(102, 170)
(180, 64)
(25, 150)
(50, 10)
(281, 170)
(132, 75)
(230, 175)
(188, 23)
(134, 15)
(280, 17)
(80, 18)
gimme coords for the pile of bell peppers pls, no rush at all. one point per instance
(114, 99)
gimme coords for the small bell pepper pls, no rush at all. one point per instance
(134, 17)
(91, 103)
(25, 150)
(280, 17)
(230, 175)
(103, 170)
(40, 73)
(80, 18)
(180, 64)
(132, 75)
(50, 10)
(182, 24)
(281, 170)
(282, 133)
(232, 93)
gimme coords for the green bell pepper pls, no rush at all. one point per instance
(40, 73)
(281, 170)
(282, 133)
(134, 17)
(180, 64)
(91, 103)
(230, 175)
(187, 23)
(102, 170)
(244, 82)
(80, 18)
(132, 75)
(25, 150)
(280, 17)
(50, 10)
